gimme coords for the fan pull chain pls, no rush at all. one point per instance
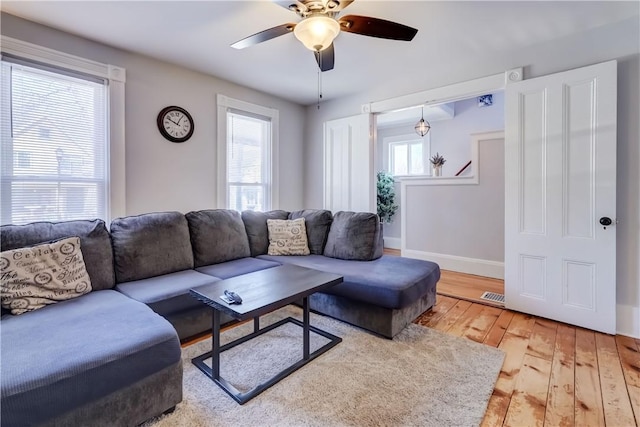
(319, 78)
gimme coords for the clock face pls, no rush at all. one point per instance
(175, 124)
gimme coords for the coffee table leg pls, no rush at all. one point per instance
(305, 328)
(215, 345)
(256, 324)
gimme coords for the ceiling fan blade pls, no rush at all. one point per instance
(325, 58)
(263, 36)
(306, 6)
(374, 27)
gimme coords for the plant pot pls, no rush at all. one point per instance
(437, 171)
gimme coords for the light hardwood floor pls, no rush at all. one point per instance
(553, 374)
(469, 287)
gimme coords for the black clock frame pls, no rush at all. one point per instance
(163, 132)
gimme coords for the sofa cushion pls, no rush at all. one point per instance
(169, 293)
(287, 237)
(150, 245)
(355, 236)
(75, 352)
(237, 267)
(94, 240)
(40, 275)
(217, 235)
(255, 223)
(317, 222)
(390, 281)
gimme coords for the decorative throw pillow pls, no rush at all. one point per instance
(44, 274)
(287, 237)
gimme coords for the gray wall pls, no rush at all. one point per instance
(461, 220)
(618, 41)
(161, 175)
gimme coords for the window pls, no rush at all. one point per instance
(54, 145)
(248, 139)
(408, 156)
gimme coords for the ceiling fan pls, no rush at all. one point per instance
(320, 25)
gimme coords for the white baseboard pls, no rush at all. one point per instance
(392, 243)
(479, 267)
(628, 320)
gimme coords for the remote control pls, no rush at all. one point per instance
(235, 298)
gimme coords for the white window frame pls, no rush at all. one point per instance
(116, 78)
(271, 199)
(408, 139)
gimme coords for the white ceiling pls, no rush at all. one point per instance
(197, 35)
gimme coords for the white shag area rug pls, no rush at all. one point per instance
(420, 378)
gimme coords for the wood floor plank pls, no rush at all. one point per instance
(615, 399)
(543, 339)
(514, 344)
(588, 402)
(629, 352)
(529, 400)
(452, 316)
(561, 396)
(440, 309)
(498, 329)
(481, 325)
(462, 324)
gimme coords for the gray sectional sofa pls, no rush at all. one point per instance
(112, 357)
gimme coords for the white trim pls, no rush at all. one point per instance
(53, 57)
(628, 320)
(450, 93)
(224, 103)
(392, 242)
(116, 77)
(479, 267)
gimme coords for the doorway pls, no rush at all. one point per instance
(454, 216)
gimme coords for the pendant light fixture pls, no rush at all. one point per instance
(423, 126)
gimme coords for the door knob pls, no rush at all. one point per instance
(605, 221)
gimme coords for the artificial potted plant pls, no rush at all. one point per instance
(386, 197)
(436, 162)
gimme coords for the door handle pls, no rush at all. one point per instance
(605, 221)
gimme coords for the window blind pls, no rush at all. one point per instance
(54, 147)
(248, 139)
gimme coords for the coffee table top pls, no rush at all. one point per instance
(266, 290)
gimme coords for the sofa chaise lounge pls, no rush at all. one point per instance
(113, 356)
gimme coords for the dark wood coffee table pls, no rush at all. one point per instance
(263, 292)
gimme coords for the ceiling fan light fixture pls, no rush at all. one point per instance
(317, 32)
(423, 126)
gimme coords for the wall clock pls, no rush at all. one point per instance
(175, 124)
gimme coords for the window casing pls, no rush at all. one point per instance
(62, 146)
(247, 156)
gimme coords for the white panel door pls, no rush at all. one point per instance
(560, 160)
(349, 177)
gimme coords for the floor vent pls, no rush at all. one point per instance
(492, 296)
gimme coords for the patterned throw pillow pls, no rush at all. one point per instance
(287, 237)
(44, 274)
